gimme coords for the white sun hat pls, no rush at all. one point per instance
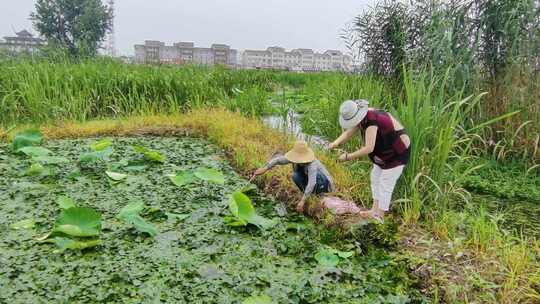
(351, 112)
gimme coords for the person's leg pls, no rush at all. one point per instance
(375, 190)
(375, 177)
(388, 180)
(322, 185)
(300, 179)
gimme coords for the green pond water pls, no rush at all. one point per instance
(194, 258)
(518, 216)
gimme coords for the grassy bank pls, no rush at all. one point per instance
(461, 254)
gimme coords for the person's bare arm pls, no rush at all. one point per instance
(344, 137)
(371, 136)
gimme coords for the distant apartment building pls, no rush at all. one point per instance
(22, 42)
(296, 60)
(154, 52)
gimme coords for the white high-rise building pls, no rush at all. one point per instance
(296, 60)
(154, 52)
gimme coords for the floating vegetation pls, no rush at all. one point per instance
(151, 155)
(158, 237)
(79, 222)
(26, 138)
(23, 224)
(65, 202)
(96, 156)
(115, 176)
(101, 145)
(210, 175)
(183, 178)
(331, 257)
(34, 151)
(131, 215)
(244, 213)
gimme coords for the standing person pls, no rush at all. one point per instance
(309, 174)
(386, 144)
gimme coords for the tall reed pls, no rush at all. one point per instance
(41, 90)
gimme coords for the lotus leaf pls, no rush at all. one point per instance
(116, 176)
(331, 257)
(327, 258)
(65, 202)
(136, 166)
(26, 138)
(79, 221)
(24, 224)
(65, 243)
(34, 169)
(35, 151)
(264, 299)
(140, 224)
(95, 156)
(210, 175)
(249, 188)
(131, 209)
(182, 178)
(130, 215)
(344, 254)
(101, 145)
(234, 221)
(151, 155)
(241, 207)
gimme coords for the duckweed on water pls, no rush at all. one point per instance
(193, 258)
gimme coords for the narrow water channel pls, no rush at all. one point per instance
(290, 125)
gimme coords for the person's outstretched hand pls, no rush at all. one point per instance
(300, 207)
(344, 157)
(260, 171)
(329, 146)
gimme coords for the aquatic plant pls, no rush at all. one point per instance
(244, 213)
(131, 215)
(26, 138)
(23, 224)
(151, 155)
(194, 255)
(186, 177)
(115, 176)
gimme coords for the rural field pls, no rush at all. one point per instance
(138, 180)
(119, 184)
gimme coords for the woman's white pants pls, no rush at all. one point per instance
(383, 183)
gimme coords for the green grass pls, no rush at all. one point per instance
(40, 91)
(432, 202)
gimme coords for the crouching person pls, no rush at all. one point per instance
(309, 174)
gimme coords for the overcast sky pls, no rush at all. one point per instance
(243, 24)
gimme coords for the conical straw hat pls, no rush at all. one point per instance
(300, 153)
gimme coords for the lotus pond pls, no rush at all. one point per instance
(148, 220)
